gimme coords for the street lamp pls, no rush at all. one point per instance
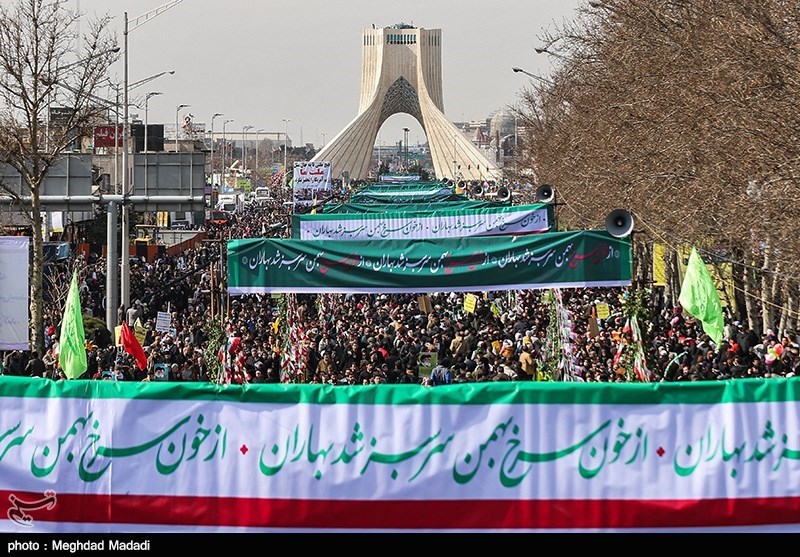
(539, 78)
(543, 50)
(256, 167)
(405, 140)
(224, 149)
(145, 80)
(124, 265)
(285, 150)
(216, 115)
(244, 147)
(146, 101)
(177, 112)
(146, 149)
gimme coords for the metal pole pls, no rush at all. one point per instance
(125, 256)
(244, 148)
(112, 260)
(516, 152)
(146, 147)
(405, 139)
(212, 145)
(285, 151)
(116, 143)
(146, 100)
(454, 158)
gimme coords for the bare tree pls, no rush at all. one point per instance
(684, 111)
(39, 67)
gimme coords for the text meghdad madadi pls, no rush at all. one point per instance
(102, 545)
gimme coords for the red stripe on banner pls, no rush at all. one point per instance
(414, 515)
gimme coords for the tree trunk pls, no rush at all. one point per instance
(787, 311)
(749, 296)
(36, 271)
(766, 309)
(791, 322)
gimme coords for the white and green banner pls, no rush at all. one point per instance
(102, 456)
(14, 255)
(411, 207)
(410, 195)
(474, 264)
(399, 225)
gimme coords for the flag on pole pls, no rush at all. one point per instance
(72, 342)
(699, 297)
(132, 346)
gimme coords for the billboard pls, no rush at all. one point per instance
(311, 182)
(14, 288)
(108, 136)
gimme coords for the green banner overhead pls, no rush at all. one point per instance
(341, 208)
(401, 225)
(404, 187)
(549, 260)
(422, 195)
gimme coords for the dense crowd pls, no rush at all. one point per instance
(372, 339)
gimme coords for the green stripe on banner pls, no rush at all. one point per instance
(342, 208)
(710, 392)
(556, 259)
(445, 223)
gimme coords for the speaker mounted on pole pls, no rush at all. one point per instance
(545, 194)
(503, 194)
(619, 223)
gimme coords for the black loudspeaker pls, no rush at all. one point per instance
(619, 223)
(545, 193)
(503, 194)
(477, 190)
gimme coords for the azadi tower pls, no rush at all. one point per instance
(401, 71)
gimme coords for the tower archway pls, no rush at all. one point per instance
(401, 72)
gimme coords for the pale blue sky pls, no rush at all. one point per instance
(259, 62)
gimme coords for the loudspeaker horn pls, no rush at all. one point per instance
(477, 190)
(503, 194)
(545, 193)
(619, 223)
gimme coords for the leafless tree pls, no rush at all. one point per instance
(686, 113)
(39, 68)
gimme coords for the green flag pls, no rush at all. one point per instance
(72, 356)
(700, 299)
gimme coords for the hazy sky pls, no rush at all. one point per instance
(259, 62)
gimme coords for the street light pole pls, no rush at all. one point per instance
(244, 148)
(177, 112)
(454, 158)
(224, 149)
(216, 114)
(256, 165)
(285, 151)
(516, 152)
(536, 77)
(124, 267)
(146, 149)
(405, 141)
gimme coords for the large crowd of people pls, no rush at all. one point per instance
(372, 339)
